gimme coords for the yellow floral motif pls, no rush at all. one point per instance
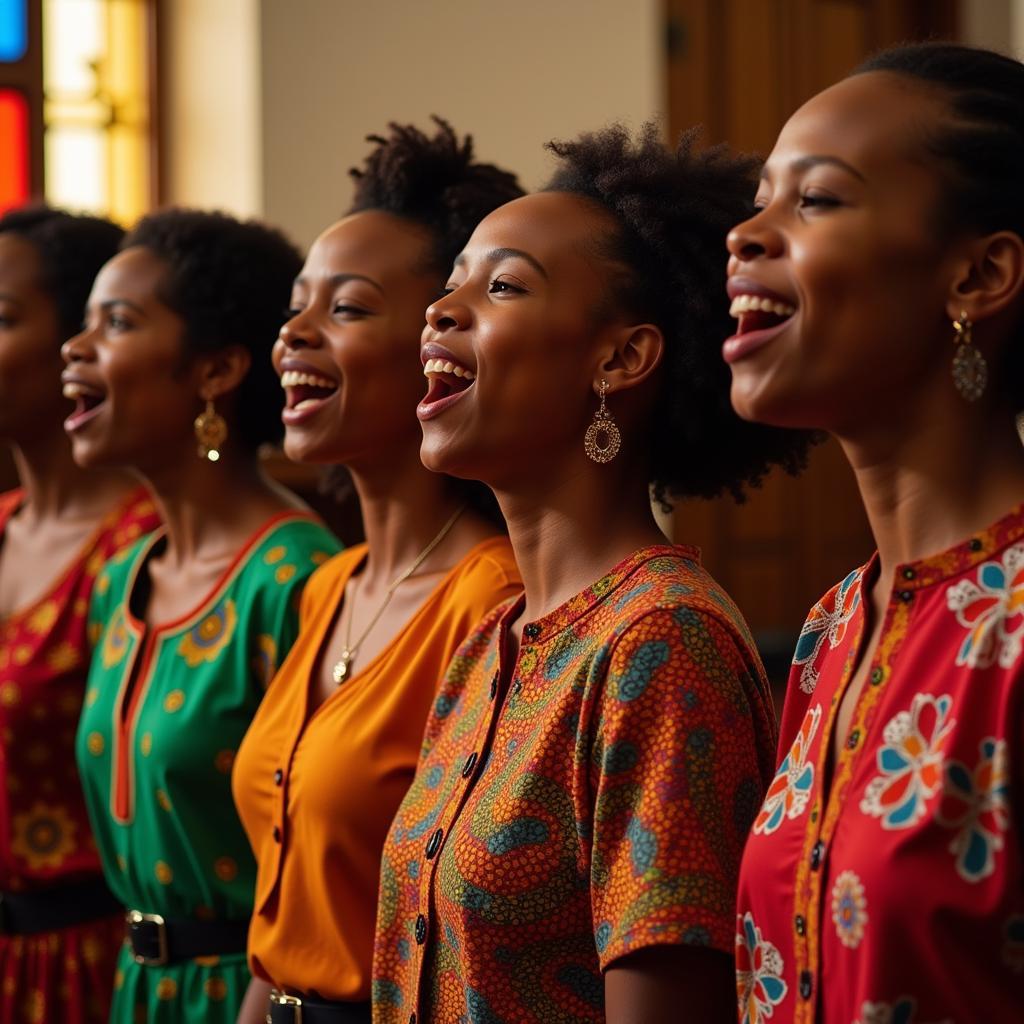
(206, 640)
(264, 663)
(34, 1007)
(275, 554)
(95, 744)
(41, 621)
(44, 836)
(226, 869)
(174, 701)
(224, 761)
(146, 743)
(91, 696)
(9, 986)
(166, 988)
(284, 573)
(216, 989)
(22, 655)
(92, 950)
(115, 643)
(94, 563)
(9, 695)
(163, 800)
(164, 874)
(118, 978)
(81, 606)
(63, 657)
(319, 557)
(5, 656)
(206, 961)
(122, 863)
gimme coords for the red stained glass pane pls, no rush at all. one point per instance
(14, 147)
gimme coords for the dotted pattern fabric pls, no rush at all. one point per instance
(590, 801)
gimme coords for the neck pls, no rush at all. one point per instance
(403, 507)
(946, 477)
(568, 530)
(205, 505)
(56, 487)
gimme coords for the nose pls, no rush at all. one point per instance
(299, 332)
(447, 314)
(77, 348)
(755, 238)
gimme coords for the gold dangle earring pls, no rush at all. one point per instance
(211, 432)
(970, 370)
(603, 440)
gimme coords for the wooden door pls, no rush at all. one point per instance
(740, 68)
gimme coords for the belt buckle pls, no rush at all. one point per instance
(136, 919)
(292, 1002)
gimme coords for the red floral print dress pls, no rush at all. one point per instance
(45, 838)
(889, 889)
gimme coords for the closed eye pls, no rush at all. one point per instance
(809, 200)
(500, 286)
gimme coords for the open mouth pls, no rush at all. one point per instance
(447, 381)
(305, 393)
(88, 401)
(759, 319)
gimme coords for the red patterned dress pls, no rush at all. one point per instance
(890, 890)
(590, 801)
(45, 840)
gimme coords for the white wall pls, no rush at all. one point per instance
(512, 74)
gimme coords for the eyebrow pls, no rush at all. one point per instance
(805, 163)
(110, 303)
(338, 279)
(497, 255)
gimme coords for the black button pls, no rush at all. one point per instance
(817, 852)
(877, 675)
(421, 929)
(434, 844)
(975, 544)
(906, 596)
(532, 631)
(494, 686)
(518, 686)
(278, 777)
(851, 740)
(908, 573)
(800, 923)
(806, 984)
(276, 834)
(467, 768)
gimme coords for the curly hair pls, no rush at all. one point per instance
(979, 150)
(673, 210)
(71, 249)
(432, 181)
(230, 282)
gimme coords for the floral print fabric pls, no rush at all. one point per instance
(588, 801)
(45, 838)
(902, 883)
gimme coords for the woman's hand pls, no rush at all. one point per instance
(254, 1006)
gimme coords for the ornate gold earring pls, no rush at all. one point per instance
(970, 370)
(603, 440)
(211, 432)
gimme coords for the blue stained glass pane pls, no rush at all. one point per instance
(13, 30)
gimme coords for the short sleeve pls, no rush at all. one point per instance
(676, 779)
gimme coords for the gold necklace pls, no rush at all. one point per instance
(341, 667)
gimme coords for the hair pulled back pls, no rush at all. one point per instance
(71, 249)
(673, 210)
(230, 281)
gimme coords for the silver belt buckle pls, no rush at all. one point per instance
(136, 917)
(293, 1002)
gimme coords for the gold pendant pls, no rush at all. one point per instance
(340, 671)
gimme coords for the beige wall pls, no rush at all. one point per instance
(512, 74)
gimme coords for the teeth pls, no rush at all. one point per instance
(306, 403)
(751, 303)
(75, 390)
(292, 378)
(443, 366)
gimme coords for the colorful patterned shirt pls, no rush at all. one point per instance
(45, 839)
(590, 801)
(896, 895)
(166, 709)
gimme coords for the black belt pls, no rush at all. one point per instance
(156, 941)
(300, 1010)
(59, 906)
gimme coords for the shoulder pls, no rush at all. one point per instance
(291, 547)
(338, 566)
(131, 519)
(487, 572)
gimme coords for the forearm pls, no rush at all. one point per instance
(254, 1006)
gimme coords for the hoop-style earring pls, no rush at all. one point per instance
(211, 432)
(970, 370)
(603, 440)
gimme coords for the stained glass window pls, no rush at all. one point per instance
(13, 30)
(14, 144)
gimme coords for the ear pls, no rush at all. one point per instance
(989, 277)
(220, 373)
(635, 353)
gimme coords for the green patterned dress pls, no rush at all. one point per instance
(165, 710)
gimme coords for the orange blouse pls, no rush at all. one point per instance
(317, 789)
